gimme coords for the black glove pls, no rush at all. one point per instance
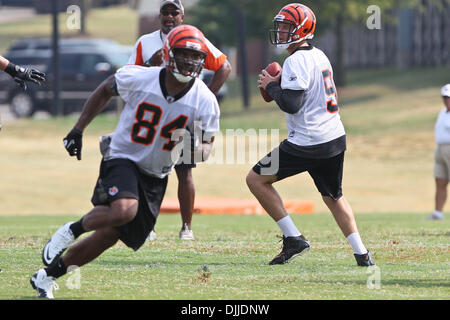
(73, 143)
(22, 74)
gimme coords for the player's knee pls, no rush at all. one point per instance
(252, 180)
(123, 211)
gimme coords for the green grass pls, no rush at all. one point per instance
(228, 260)
(388, 166)
(389, 117)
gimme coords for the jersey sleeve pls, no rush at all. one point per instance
(215, 58)
(129, 78)
(207, 119)
(136, 56)
(295, 75)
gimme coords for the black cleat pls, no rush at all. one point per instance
(364, 260)
(292, 247)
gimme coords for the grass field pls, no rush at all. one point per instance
(389, 118)
(388, 180)
(229, 260)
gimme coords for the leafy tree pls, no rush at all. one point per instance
(218, 19)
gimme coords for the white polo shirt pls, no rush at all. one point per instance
(442, 127)
(148, 44)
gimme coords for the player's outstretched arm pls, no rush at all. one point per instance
(21, 74)
(93, 106)
(219, 78)
(3, 63)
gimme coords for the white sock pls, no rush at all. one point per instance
(288, 227)
(355, 241)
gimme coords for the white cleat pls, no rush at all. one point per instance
(43, 284)
(186, 233)
(59, 242)
(436, 216)
(151, 236)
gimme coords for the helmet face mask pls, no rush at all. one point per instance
(283, 32)
(186, 64)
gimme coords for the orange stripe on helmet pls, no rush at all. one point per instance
(301, 14)
(311, 18)
(187, 33)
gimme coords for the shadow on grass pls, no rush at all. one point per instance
(163, 263)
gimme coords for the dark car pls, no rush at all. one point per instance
(31, 45)
(82, 69)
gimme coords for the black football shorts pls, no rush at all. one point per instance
(120, 178)
(326, 173)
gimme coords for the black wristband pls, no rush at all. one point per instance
(11, 69)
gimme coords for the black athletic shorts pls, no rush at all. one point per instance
(185, 166)
(121, 178)
(326, 173)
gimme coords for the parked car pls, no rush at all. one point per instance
(84, 64)
(83, 67)
(31, 45)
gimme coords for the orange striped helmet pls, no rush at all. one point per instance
(294, 23)
(185, 51)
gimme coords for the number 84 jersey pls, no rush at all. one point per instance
(151, 116)
(318, 120)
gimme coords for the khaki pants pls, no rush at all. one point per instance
(442, 161)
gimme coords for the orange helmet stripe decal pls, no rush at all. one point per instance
(301, 18)
(290, 13)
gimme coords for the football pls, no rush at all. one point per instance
(273, 69)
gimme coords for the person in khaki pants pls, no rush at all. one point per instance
(442, 155)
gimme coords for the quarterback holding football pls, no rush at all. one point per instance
(305, 91)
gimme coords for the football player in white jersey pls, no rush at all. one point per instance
(160, 101)
(148, 51)
(316, 141)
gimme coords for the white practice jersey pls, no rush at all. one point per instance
(148, 44)
(152, 42)
(150, 116)
(318, 120)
